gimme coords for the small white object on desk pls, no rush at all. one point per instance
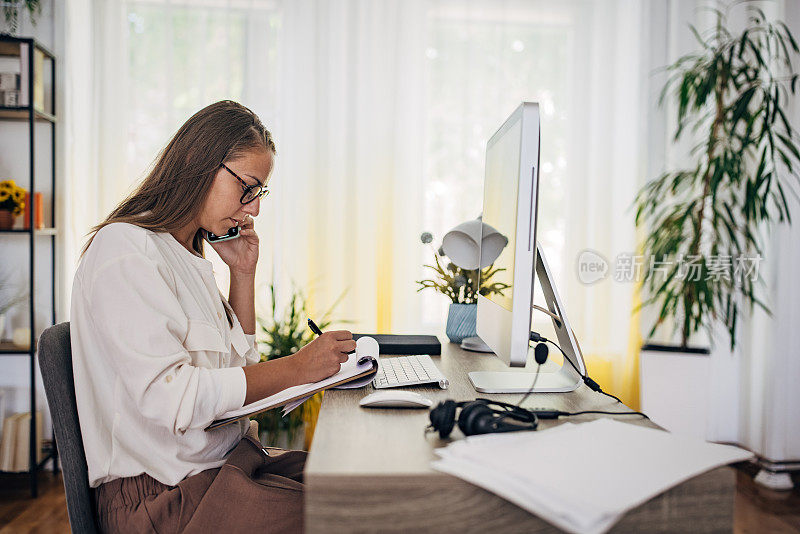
(395, 399)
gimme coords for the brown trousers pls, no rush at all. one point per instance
(252, 492)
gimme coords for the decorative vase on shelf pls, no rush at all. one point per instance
(6, 220)
(461, 321)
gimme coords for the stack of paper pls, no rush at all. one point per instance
(582, 477)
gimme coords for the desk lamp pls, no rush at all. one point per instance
(463, 245)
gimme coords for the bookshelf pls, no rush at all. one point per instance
(36, 101)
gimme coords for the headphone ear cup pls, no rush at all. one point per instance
(443, 418)
(475, 418)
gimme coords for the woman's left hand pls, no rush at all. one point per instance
(241, 254)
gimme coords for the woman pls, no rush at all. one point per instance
(158, 352)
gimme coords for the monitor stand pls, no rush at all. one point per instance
(562, 381)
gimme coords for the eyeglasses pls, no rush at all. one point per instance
(251, 192)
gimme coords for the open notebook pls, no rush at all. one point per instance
(359, 370)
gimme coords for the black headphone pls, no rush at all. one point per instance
(481, 416)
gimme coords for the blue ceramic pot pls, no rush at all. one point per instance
(461, 321)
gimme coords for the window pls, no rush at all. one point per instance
(482, 63)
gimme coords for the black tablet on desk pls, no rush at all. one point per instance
(405, 344)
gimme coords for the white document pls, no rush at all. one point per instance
(365, 347)
(361, 362)
(582, 477)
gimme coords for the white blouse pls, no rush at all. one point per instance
(154, 358)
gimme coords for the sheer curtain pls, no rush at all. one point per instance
(348, 181)
(339, 86)
(381, 112)
(135, 71)
(587, 64)
(93, 126)
(754, 395)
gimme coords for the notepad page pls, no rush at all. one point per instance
(349, 369)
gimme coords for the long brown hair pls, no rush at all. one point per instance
(174, 190)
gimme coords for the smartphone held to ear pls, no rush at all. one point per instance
(233, 233)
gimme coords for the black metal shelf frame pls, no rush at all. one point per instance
(31, 115)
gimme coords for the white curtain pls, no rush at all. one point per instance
(92, 126)
(756, 395)
(337, 83)
(381, 112)
(585, 63)
(348, 180)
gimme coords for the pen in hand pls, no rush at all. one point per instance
(314, 328)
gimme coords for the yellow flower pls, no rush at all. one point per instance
(9, 190)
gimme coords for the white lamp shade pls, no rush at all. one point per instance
(461, 244)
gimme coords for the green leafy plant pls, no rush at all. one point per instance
(732, 95)
(8, 296)
(460, 285)
(11, 10)
(284, 334)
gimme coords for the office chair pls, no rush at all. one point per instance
(55, 361)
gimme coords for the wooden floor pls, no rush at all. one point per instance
(45, 514)
(757, 510)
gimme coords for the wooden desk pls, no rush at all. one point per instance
(369, 469)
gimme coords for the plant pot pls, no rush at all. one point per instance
(674, 385)
(284, 441)
(6, 220)
(461, 321)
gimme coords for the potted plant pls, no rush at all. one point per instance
(705, 223)
(11, 9)
(462, 287)
(8, 299)
(283, 334)
(733, 92)
(12, 202)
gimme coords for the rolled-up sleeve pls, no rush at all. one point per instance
(142, 328)
(252, 356)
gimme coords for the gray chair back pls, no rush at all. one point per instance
(55, 362)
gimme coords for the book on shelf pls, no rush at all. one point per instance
(15, 442)
(38, 211)
(15, 76)
(8, 442)
(24, 75)
(38, 79)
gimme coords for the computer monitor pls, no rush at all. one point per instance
(510, 201)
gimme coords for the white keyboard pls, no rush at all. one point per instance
(396, 371)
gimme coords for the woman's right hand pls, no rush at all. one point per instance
(324, 356)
